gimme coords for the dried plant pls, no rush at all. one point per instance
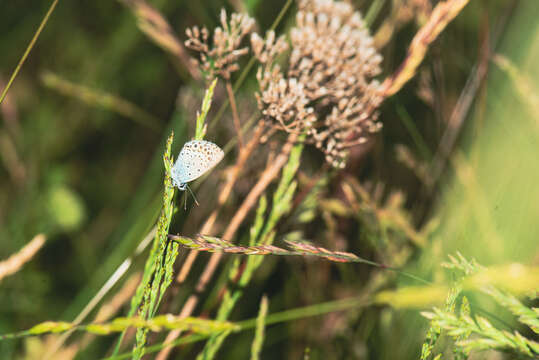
(324, 92)
(420, 169)
(328, 90)
(402, 12)
(16, 261)
(100, 98)
(442, 15)
(156, 27)
(213, 244)
(384, 215)
(419, 10)
(221, 56)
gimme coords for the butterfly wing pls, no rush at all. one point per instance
(195, 159)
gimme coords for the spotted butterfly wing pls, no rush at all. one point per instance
(196, 158)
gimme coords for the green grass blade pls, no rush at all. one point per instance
(256, 347)
(28, 49)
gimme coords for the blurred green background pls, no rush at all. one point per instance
(91, 178)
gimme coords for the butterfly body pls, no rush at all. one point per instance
(195, 159)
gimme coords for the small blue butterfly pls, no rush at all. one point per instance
(195, 159)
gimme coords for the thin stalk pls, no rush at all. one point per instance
(262, 234)
(249, 66)
(224, 194)
(280, 317)
(28, 49)
(235, 115)
(269, 174)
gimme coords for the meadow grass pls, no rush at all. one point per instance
(322, 234)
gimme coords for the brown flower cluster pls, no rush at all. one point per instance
(283, 101)
(221, 56)
(328, 91)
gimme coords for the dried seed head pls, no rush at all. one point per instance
(327, 91)
(266, 51)
(221, 57)
(284, 102)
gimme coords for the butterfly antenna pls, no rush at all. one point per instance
(193, 195)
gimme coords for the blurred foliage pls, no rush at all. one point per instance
(83, 131)
(66, 208)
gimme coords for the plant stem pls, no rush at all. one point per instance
(28, 49)
(269, 174)
(235, 115)
(224, 193)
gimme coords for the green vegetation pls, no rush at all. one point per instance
(378, 197)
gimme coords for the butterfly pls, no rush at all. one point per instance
(195, 159)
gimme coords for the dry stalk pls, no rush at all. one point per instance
(233, 176)
(216, 245)
(420, 168)
(8, 140)
(10, 157)
(16, 261)
(235, 116)
(99, 98)
(119, 299)
(401, 13)
(265, 179)
(10, 114)
(269, 174)
(441, 16)
(456, 121)
(156, 27)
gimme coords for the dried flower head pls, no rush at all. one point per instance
(220, 58)
(328, 90)
(285, 102)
